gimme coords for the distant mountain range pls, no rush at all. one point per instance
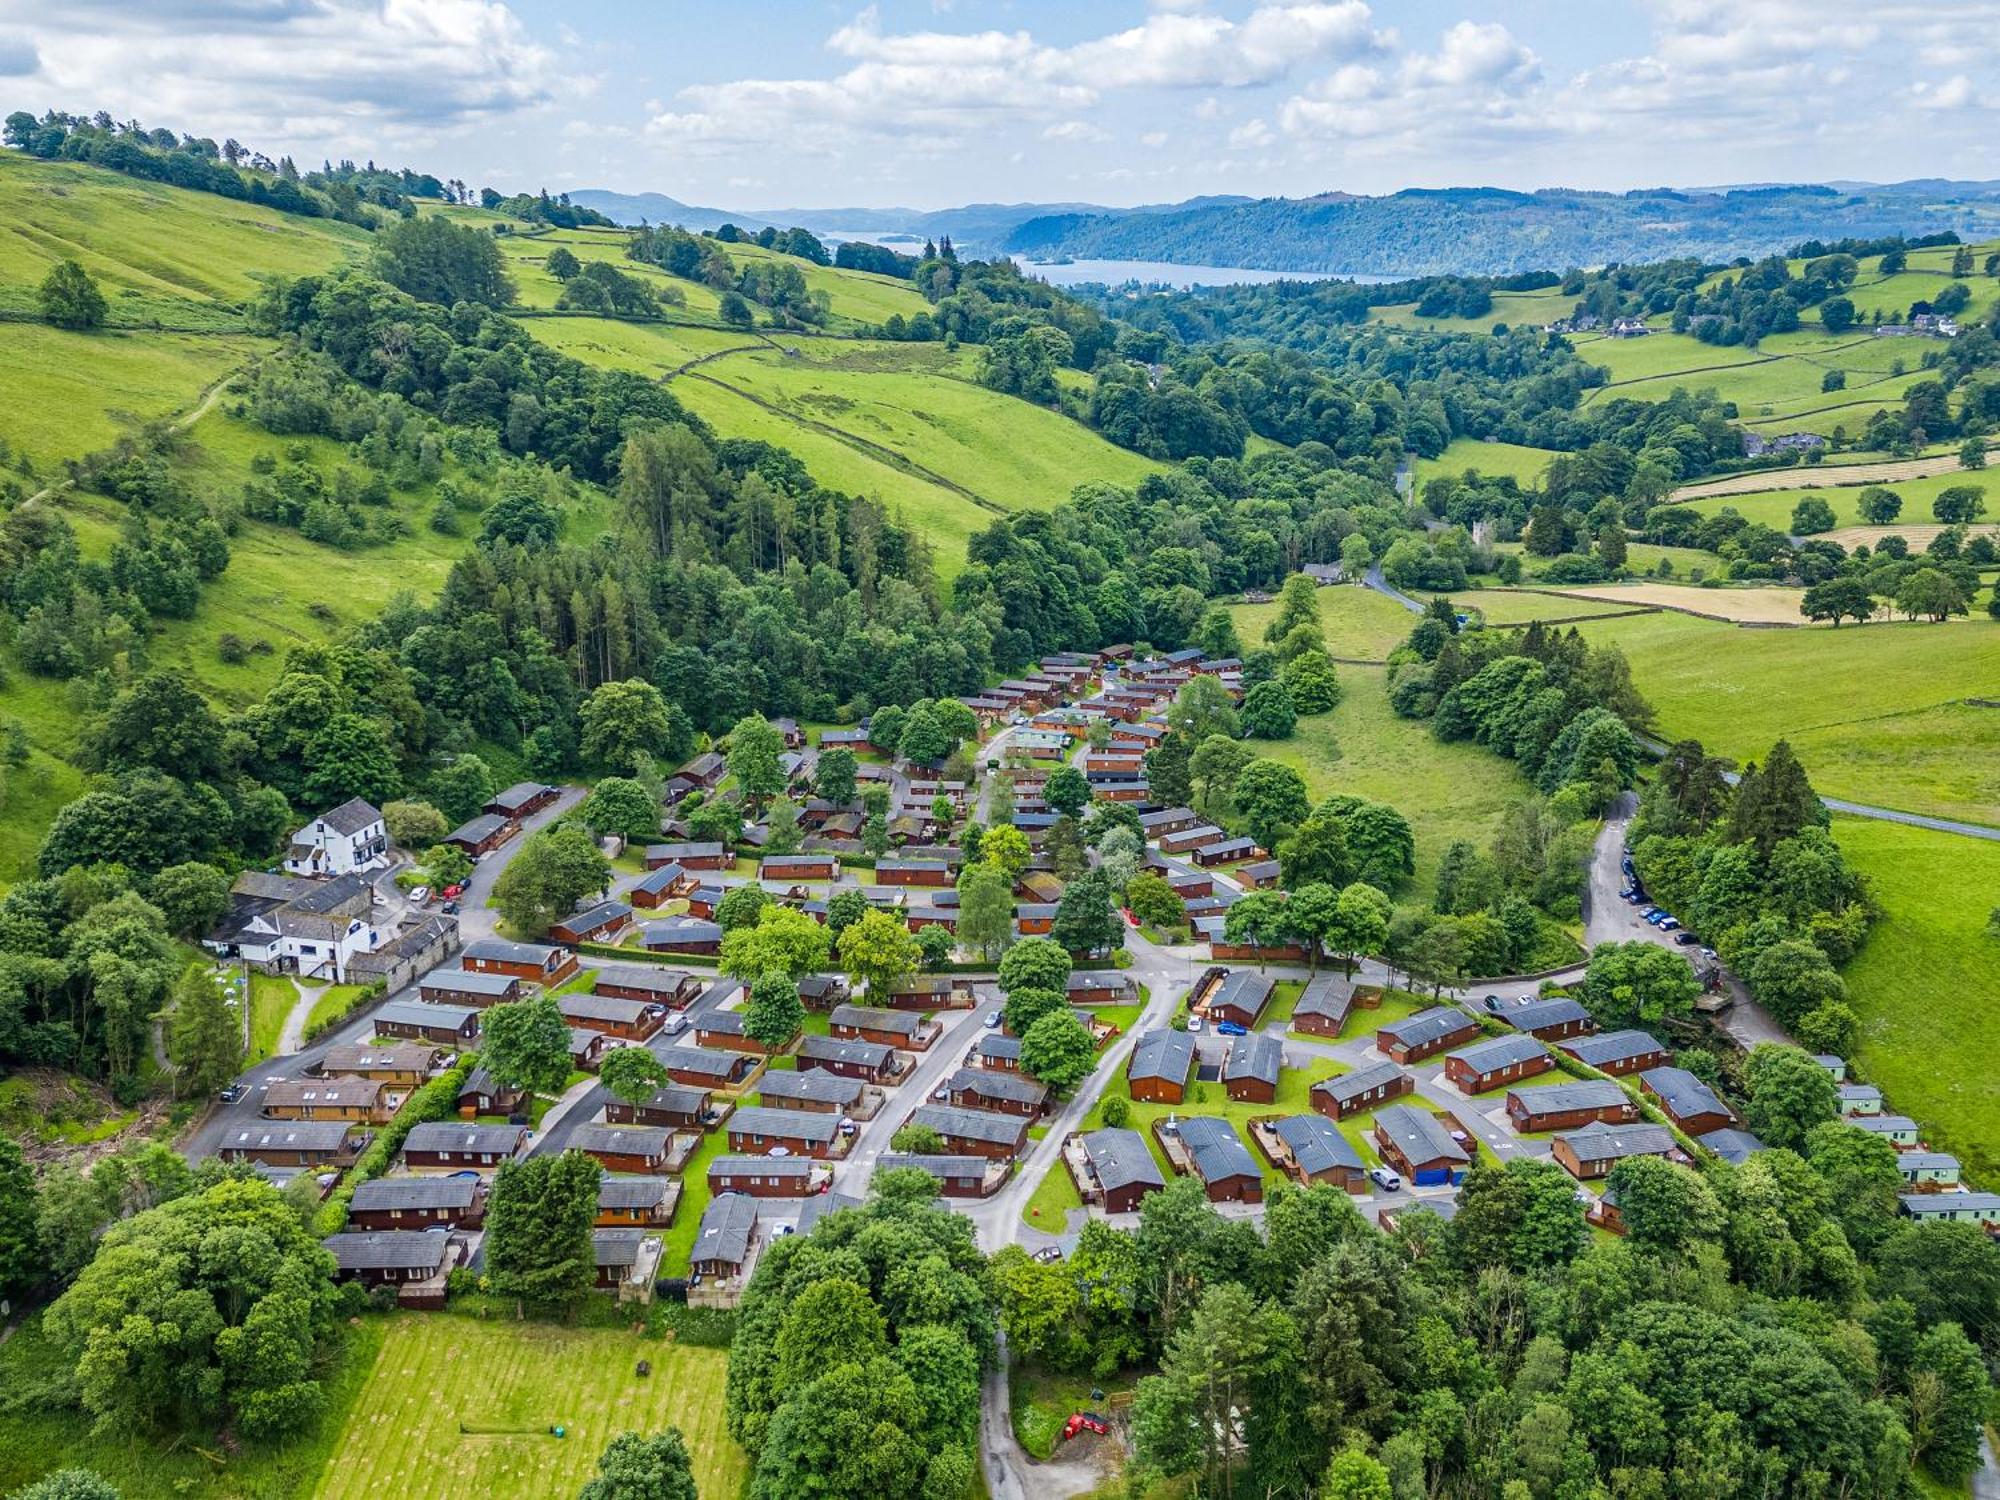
(1416, 232)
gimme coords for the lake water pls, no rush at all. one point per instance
(1168, 273)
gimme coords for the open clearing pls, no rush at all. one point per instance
(1773, 508)
(1360, 624)
(457, 1406)
(1493, 459)
(1876, 711)
(1927, 985)
(1456, 791)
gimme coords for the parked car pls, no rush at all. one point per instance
(450, 908)
(1384, 1179)
(420, 896)
(1669, 924)
(1231, 1028)
(941, 1092)
(992, 1019)
(1194, 1023)
(232, 1093)
(453, 892)
(675, 1023)
(1685, 938)
(1494, 1004)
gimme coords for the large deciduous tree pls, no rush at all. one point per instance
(526, 1044)
(548, 875)
(538, 1242)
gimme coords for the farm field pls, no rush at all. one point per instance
(1764, 606)
(1359, 622)
(899, 396)
(1773, 507)
(160, 243)
(1525, 464)
(458, 1406)
(69, 394)
(1505, 606)
(654, 349)
(1924, 983)
(1447, 791)
(1874, 710)
(1512, 308)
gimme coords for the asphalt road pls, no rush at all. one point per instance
(475, 921)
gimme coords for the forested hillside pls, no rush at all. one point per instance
(1488, 231)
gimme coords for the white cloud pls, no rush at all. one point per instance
(1182, 50)
(1154, 139)
(1954, 93)
(326, 75)
(1075, 130)
(1251, 135)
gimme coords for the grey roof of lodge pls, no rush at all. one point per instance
(414, 1193)
(1353, 1085)
(351, 816)
(680, 851)
(1119, 1158)
(1162, 1054)
(767, 1166)
(814, 1084)
(640, 976)
(1318, 1145)
(598, 915)
(815, 1048)
(460, 1135)
(1884, 1124)
(1499, 1052)
(721, 1022)
(1733, 1145)
(1427, 1025)
(1420, 1135)
(643, 1140)
(1217, 1150)
(292, 1135)
(873, 1018)
(1919, 1161)
(1600, 1142)
(726, 1226)
(518, 795)
(355, 1058)
(1244, 989)
(477, 830)
(998, 1083)
(682, 930)
(819, 1205)
(971, 1124)
(500, 950)
(679, 1097)
(1254, 1055)
(653, 882)
(1325, 996)
(616, 1247)
(630, 1190)
(935, 1163)
(1681, 1093)
(469, 981)
(708, 1061)
(1095, 979)
(421, 1013)
(389, 1249)
(995, 1045)
(1585, 1093)
(788, 1124)
(1610, 1046)
(1917, 1205)
(1556, 1011)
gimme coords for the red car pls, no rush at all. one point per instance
(1084, 1421)
(453, 892)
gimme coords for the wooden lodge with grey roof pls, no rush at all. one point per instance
(468, 987)
(1323, 1006)
(1425, 1034)
(296, 1143)
(1495, 1061)
(417, 1203)
(406, 1064)
(673, 1106)
(452, 1146)
(537, 963)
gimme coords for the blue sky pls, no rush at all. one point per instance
(927, 103)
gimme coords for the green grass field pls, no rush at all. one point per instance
(458, 1406)
(1774, 507)
(1446, 791)
(272, 997)
(1874, 710)
(164, 243)
(853, 296)
(1359, 622)
(71, 393)
(1525, 464)
(42, 1435)
(1924, 985)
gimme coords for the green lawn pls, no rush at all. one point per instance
(333, 1000)
(271, 1000)
(458, 1406)
(1774, 507)
(1447, 791)
(1875, 711)
(679, 1239)
(1359, 622)
(1925, 983)
(42, 1435)
(1054, 1196)
(1042, 1400)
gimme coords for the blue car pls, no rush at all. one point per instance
(1231, 1028)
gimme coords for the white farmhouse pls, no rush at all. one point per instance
(351, 837)
(289, 926)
